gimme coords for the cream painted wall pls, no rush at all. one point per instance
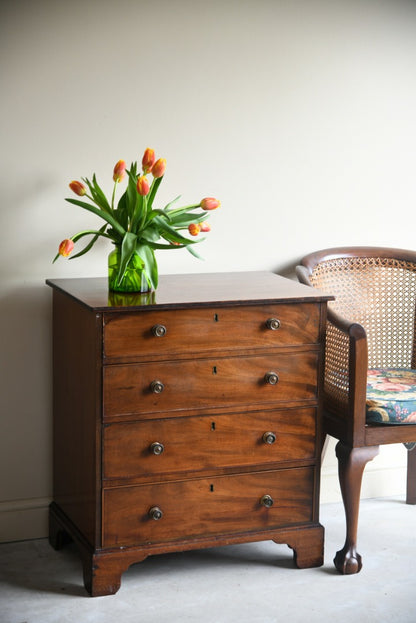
(299, 115)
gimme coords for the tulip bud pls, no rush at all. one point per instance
(148, 160)
(66, 247)
(194, 229)
(78, 188)
(205, 226)
(209, 203)
(119, 171)
(159, 167)
(143, 185)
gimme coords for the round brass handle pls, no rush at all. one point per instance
(157, 448)
(273, 324)
(271, 378)
(269, 437)
(159, 330)
(157, 387)
(155, 513)
(267, 501)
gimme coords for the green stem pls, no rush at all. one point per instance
(113, 196)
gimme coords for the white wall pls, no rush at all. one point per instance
(299, 115)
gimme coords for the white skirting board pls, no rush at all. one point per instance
(384, 476)
(24, 519)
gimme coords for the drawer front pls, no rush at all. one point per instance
(156, 447)
(220, 505)
(159, 333)
(208, 383)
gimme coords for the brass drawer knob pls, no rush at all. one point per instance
(273, 324)
(155, 513)
(157, 387)
(157, 448)
(269, 438)
(159, 330)
(271, 378)
(267, 501)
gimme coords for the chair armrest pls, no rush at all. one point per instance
(346, 363)
(303, 275)
(346, 373)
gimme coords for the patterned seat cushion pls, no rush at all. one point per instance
(391, 396)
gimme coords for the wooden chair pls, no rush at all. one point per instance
(371, 326)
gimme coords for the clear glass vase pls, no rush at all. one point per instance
(134, 278)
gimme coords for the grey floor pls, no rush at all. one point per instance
(251, 583)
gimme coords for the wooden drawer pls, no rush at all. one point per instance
(131, 336)
(131, 449)
(219, 505)
(208, 383)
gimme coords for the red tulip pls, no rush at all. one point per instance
(119, 171)
(78, 188)
(205, 226)
(194, 229)
(143, 186)
(66, 247)
(159, 167)
(148, 160)
(209, 203)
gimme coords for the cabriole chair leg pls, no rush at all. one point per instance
(411, 474)
(351, 464)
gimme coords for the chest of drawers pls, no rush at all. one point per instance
(185, 418)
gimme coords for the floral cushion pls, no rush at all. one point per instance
(391, 396)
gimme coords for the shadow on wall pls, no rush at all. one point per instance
(287, 270)
(26, 391)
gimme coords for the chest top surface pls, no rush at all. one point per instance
(191, 290)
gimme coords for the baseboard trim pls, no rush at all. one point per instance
(376, 483)
(21, 520)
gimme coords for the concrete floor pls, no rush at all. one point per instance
(251, 583)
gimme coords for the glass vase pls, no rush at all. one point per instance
(134, 278)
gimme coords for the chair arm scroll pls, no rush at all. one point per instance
(347, 358)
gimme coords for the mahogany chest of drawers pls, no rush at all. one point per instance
(186, 418)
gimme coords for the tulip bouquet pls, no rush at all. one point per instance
(135, 227)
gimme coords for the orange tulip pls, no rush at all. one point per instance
(148, 160)
(194, 229)
(66, 247)
(78, 188)
(205, 226)
(143, 186)
(209, 203)
(119, 171)
(158, 169)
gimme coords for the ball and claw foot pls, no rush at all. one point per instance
(347, 561)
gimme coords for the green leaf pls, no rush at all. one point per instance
(121, 212)
(161, 213)
(100, 232)
(128, 248)
(193, 252)
(156, 245)
(150, 234)
(99, 196)
(183, 221)
(138, 220)
(101, 213)
(81, 234)
(132, 196)
(150, 265)
(171, 233)
(153, 190)
(167, 206)
(193, 206)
